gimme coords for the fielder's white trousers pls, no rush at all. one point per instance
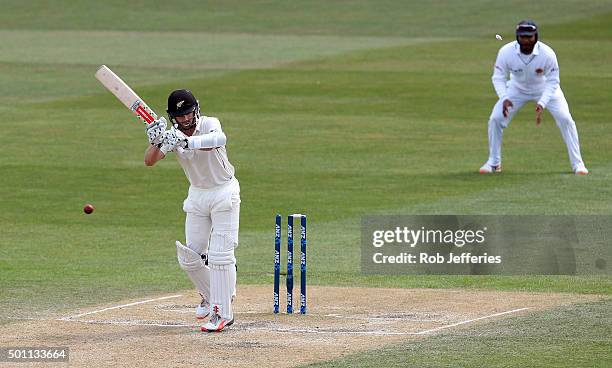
(558, 109)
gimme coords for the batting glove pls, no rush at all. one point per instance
(172, 139)
(155, 130)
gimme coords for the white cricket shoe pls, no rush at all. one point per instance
(581, 170)
(202, 310)
(489, 169)
(216, 324)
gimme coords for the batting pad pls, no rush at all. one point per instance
(222, 272)
(221, 250)
(197, 271)
(223, 281)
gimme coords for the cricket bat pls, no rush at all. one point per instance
(125, 94)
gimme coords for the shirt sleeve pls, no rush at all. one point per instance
(552, 80)
(212, 136)
(213, 125)
(500, 75)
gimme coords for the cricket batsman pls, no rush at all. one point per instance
(212, 206)
(533, 76)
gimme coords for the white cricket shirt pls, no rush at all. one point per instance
(535, 74)
(206, 169)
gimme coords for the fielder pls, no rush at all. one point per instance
(212, 206)
(534, 76)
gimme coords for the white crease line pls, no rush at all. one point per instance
(391, 319)
(28, 318)
(192, 311)
(303, 330)
(468, 321)
(238, 327)
(289, 330)
(132, 323)
(351, 317)
(117, 307)
(183, 311)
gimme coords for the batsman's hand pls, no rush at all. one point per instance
(506, 107)
(155, 130)
(539, 110)
(171, 139)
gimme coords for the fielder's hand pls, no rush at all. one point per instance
(172, 139)
(506, 108)
(155, 130)
(539, 110)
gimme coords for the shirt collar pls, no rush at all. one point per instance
(198, 126)
(536, 48)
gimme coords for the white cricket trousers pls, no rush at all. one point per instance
(558, 109)
(211, 228)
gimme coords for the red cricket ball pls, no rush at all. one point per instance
(88, 208)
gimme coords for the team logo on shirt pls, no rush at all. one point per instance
(539, 70)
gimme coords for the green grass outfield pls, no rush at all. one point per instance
(333, 109)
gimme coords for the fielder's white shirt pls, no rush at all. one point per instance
(206, 169)
(535, 74)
